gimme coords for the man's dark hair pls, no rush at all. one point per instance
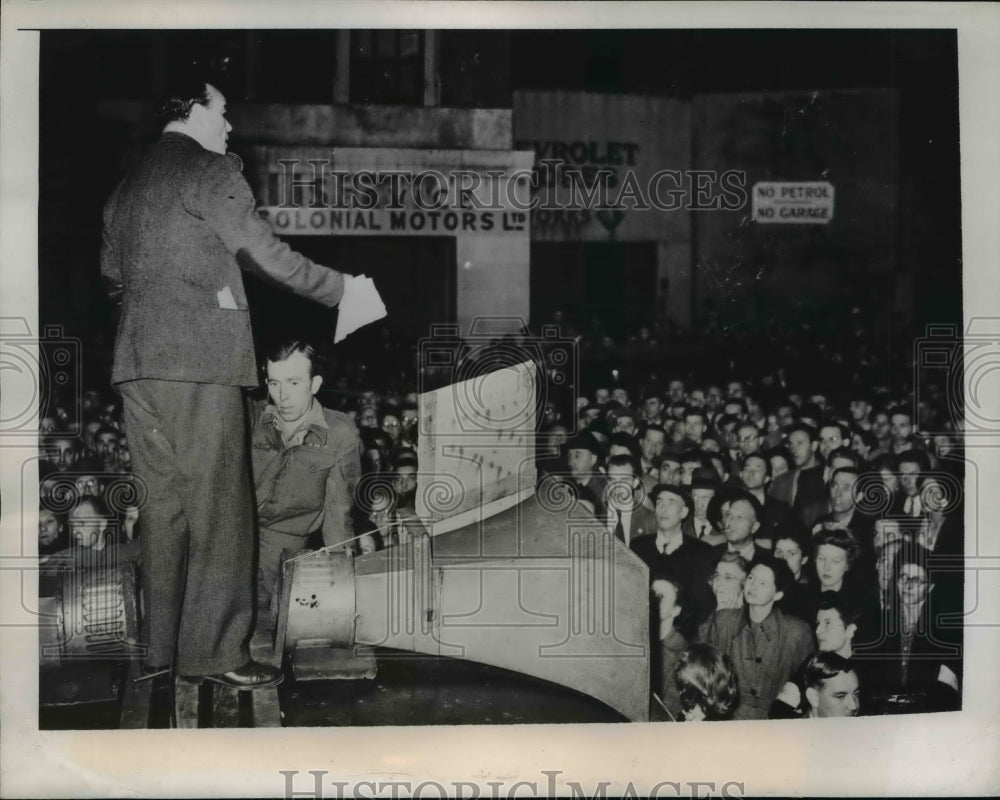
(823, 666)
(781, 452)
(832, 601)
(832, 423)
(623, 460)
(625, 440)
(761, 457)
(885, 461)
(106, 429)
(811, 411)
(403, 457)
(844, 452)
(725, 419)
(184, 88)
(695, 411)
(672, 457)
(901, 410)
(653, 427)
(695, 455)
(287, 349)
(375, 439)
(809, 430)
(861, 396)
(914, 456)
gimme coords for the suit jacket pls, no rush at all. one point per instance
(811, 489)
(712, 538)
(641, 523)
(177, 231)
(776, 521)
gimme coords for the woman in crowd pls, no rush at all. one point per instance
(728, 579)
(841, 568)
(799, 599)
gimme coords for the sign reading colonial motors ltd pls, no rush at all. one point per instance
(793, 202)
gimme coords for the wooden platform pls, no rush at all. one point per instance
(206, 705)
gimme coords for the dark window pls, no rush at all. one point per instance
(475, 69)
(387, 67)
(296, 66)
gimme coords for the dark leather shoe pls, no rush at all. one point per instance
(252, 675)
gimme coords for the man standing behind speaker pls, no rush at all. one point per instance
(306, 463)
(178, 229)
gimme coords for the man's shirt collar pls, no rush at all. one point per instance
(311, 428)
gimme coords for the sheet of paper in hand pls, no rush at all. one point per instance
(360, 305)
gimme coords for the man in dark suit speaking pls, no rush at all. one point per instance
(177, 231)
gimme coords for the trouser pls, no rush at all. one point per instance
(272, 544)
(189, 456)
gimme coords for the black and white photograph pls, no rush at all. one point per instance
(408, 382)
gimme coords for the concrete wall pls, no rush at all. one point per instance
(629, 135)
(343, 125)
(756, 271)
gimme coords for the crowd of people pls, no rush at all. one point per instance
(783, 529)
(815, 541)
(803, 555)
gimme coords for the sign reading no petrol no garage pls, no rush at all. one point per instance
(793, 202)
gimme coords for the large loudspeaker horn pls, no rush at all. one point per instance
(540, 590)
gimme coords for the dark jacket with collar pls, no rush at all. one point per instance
(309, 486)
(177, 231)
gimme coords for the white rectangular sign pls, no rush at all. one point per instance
(793, 201)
